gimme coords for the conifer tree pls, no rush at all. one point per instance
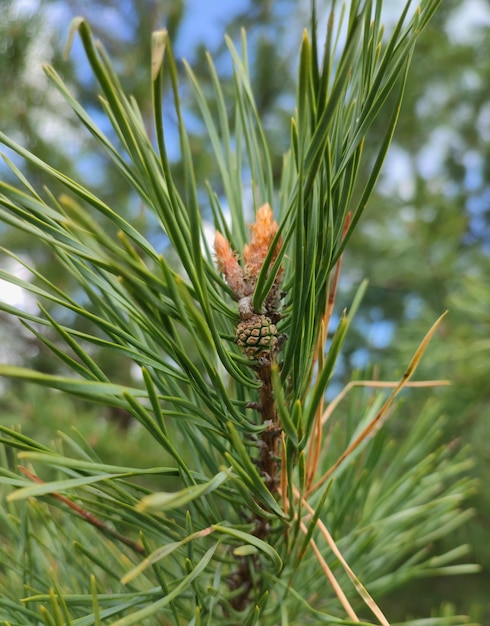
(266, 509)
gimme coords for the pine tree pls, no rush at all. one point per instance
(265, 506)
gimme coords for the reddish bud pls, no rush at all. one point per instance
(228, 264)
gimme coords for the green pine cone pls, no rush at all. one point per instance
(256, 336)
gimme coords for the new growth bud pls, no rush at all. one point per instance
(228, 264)
(263, 232)
(242, 280)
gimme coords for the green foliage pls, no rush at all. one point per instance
(235, 530)
(423, 244)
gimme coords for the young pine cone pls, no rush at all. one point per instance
(256, 336)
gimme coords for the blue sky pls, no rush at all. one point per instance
(205, 22)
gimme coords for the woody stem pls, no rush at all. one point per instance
(268, 457)
(269, 469)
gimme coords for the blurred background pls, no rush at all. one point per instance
(424, 241)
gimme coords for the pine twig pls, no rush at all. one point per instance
(87, 516)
